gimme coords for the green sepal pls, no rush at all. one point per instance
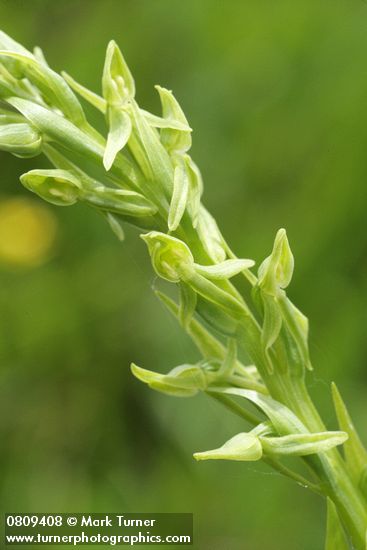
(20, 139)
(224, 270)
(119, 131)
(355, 453)
(335, 534)
(188, 301)
(174, 140)
(171, 258)
(302, 444)
(58, 187)
(241, 447)
(92, 98)
(160, 122)
(117, 81)
(183, 381)
(276, 270)
(179, 196)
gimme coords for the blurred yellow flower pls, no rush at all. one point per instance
(27, 232)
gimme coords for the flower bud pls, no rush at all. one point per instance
(241, 447)
(174, 140)
(58, 187)
(276, 271)
(50, 84)
(21, 139)
(171, 258)
(182, 381)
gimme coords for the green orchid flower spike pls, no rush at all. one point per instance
(253, 347)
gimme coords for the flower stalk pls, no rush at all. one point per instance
(140, 173)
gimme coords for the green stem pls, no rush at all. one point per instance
(331, 468)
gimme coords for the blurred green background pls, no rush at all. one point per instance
(277, 95)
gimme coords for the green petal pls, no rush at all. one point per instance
(224, 270)
(160, 122)
(118, 135)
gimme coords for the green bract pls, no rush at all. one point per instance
(253, 345)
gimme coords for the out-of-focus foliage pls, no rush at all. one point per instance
(276, 94)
